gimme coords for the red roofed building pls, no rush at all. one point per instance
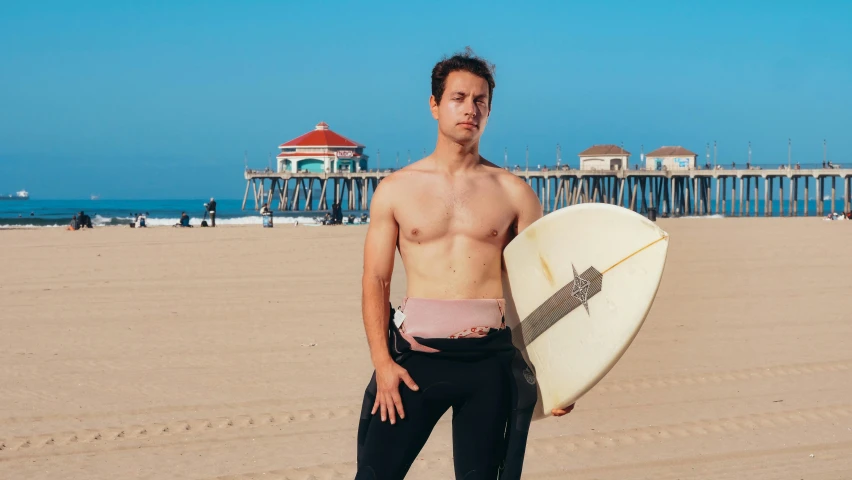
(670, 158)
(604, 157)
(321, 151)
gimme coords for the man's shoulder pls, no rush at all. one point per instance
(392, 188)
(395, 179)
(403, 176)
(509, 181)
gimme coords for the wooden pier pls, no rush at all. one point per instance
(670, 193)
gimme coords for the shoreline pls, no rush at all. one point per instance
(286, 222)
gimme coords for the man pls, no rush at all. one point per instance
(184, 220)
(83, 220)
(450, 215)
(336, 214)
(211, 209)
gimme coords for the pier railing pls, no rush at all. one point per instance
(757, 191)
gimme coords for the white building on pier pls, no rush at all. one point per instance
(671, 158)
(604, 157)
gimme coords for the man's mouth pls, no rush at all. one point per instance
(469, 124)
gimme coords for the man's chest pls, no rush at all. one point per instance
(479, 213)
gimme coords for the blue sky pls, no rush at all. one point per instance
(160, 99)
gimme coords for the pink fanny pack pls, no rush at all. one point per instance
(449, 318)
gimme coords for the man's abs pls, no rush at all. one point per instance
(453, 269)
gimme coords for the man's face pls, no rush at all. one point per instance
(463, 111)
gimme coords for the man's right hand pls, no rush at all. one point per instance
(388, 401)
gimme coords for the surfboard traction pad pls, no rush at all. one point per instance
(567, 299)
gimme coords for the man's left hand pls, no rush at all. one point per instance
(558, 412)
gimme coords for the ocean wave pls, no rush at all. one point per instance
(27, 225)
(196, 222)
(102, 221)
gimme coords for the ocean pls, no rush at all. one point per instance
(58, 213)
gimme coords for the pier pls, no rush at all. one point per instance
(735, 192)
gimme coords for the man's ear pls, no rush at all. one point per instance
(433, 106)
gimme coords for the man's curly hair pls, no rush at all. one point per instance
(466, 61)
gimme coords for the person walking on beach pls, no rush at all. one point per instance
(211, 209)
(450, 215)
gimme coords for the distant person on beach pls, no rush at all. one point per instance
(450, 215)
(184, 220)
(83, 220)
(336, 214)
(75, 224)
(211, 209)
(266, 214)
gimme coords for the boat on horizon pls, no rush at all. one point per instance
(19, 195)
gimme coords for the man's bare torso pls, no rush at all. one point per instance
(453, 228)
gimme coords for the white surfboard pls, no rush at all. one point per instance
(579, 283)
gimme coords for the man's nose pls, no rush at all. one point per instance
(471, 108)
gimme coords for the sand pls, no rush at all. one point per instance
(239, 353)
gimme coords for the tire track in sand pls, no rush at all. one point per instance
(780, 462)
(268, 402)
(615, 386)
(182, 427)
(725, 376)
(199, 426)
(565, 444)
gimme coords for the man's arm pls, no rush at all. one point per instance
(379, 250)
(526, 202)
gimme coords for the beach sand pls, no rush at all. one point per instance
(239, 353)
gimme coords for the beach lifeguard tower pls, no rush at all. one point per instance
(321, 151)
(604, 157)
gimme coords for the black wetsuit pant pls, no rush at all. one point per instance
(478, 393)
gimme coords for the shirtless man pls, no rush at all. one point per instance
(450, 214)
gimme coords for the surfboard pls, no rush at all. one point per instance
(579, 283)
